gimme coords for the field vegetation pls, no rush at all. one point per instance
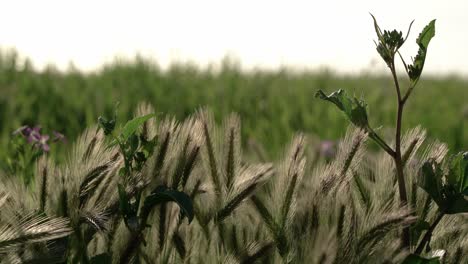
(180, 183)
(273, 104)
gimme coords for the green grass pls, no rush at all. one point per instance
(272, 104)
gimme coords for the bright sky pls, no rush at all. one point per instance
(268, 34)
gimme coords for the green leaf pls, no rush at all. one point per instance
(354, 109)
(415, 70)
(128, 210)
(124, 202)
(421, 225)
(415, 259)
(431, 181)
(133, 143)
(162, 194)
(448, 191)
(131, 126)
(107, 125)
(458, 204)
(426, 35)
(458, 173)
(377, 29)
(148, 146)
(418, 228)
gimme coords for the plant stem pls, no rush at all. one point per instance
(395, 80)
(82, 255)
(397, 158)
(428, 234)
(381, 143)
(410, 89)
(133, 245)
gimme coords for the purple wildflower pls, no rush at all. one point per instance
(42, 143)
(34, 137)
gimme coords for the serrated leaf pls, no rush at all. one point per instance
(431, 181)
(415, 70)
(415, 259)
(131, 126)
(449, 193)
(458, 173)
(354, 109)
(163, 194)
(426, 35)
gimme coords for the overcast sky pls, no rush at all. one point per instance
(268, 34)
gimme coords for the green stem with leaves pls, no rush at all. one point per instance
(397, 157)
(388, 44)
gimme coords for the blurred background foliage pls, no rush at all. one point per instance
(272, 104)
